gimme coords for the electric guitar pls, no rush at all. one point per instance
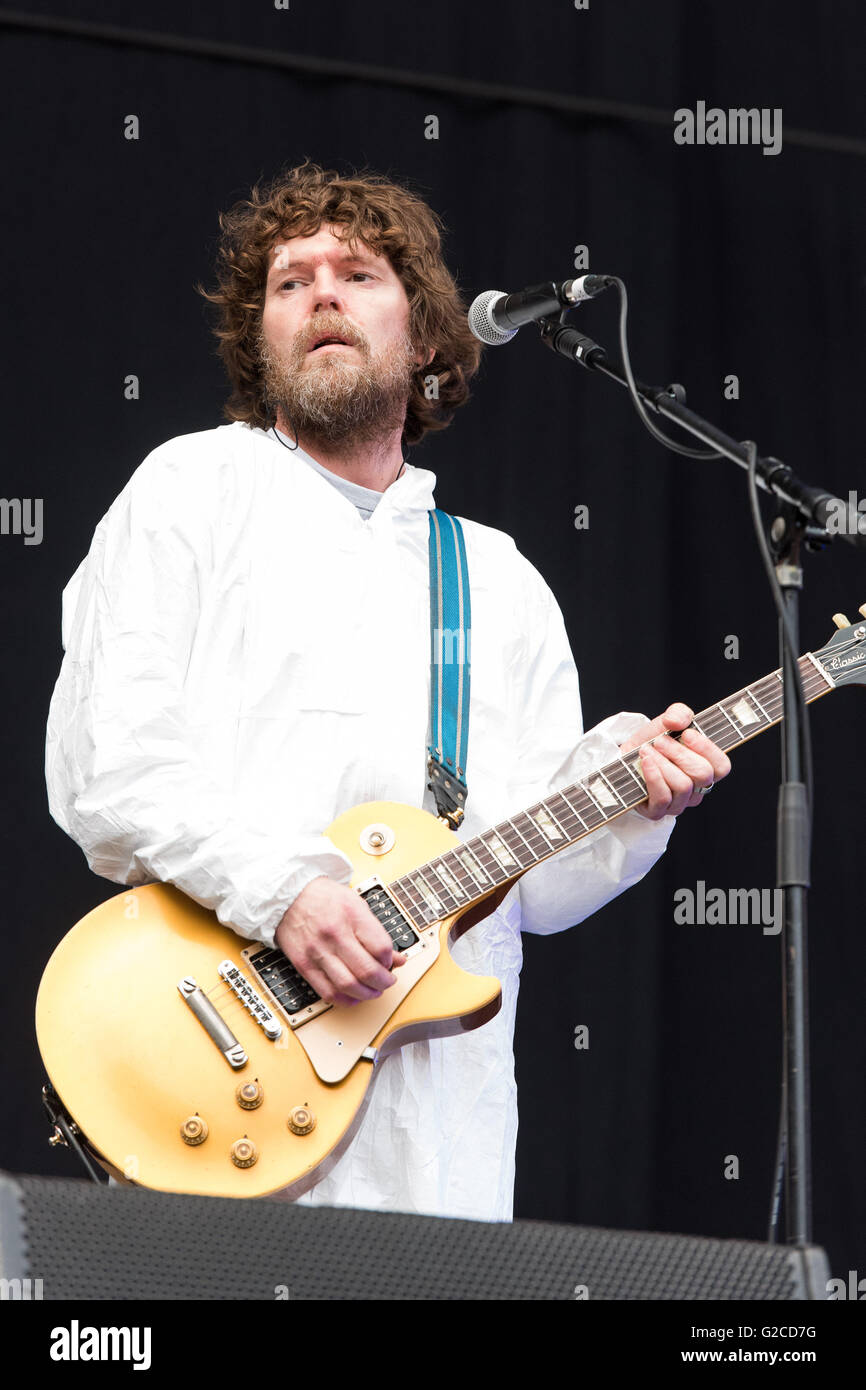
(186, 1059)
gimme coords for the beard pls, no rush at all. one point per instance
(335, 398)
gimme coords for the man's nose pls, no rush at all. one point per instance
(326, 293)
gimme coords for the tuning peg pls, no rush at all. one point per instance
(840, 620)
(862, 609)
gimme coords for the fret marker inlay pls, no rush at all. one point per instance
(450, 882)
(428, 895)
(500, 851)
(546, 824)
(602, 792)
(743, 712)
(472, 866)
(467, 873)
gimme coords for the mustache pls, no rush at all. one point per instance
(329, 325)
(342, 397)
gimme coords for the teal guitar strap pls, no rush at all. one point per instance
(450, 624)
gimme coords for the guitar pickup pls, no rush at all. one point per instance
(285, 984)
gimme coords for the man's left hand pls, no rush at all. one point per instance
(677, 772)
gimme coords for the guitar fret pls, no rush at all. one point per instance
(546, 807)
(752, 696)
(495, 872)
(608, 782)
(811, 664)
(712, 726)
(638, 781)
(467, 849)
(454, 888)
(730, 738)
(420, 908)
(440, 887)
(597, 796)
(746, 712)
(810, 670)
(455, 861)
(546, 825)
(624, 782)
(541, 843)
(498, 850)
(591, 812)
(569, 816)
(567, 799)
(719, 726)
(428, 893)
(450, 887)
(470, 886)
(727, 716)
(397, 892)
(533, 856)
(771, 696)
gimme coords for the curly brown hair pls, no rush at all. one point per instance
(388, 218)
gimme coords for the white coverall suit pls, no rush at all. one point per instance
(245, 659)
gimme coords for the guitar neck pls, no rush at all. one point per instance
(469, 872)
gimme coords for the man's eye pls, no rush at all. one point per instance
(354, 275)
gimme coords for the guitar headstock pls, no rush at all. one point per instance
(844, 657)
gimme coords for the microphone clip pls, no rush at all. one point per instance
(561, 337)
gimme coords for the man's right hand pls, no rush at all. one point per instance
(331, 936)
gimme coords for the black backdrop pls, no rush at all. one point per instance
(736, 262)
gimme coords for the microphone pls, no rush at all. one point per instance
(495, 316)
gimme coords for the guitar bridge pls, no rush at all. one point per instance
(240, 986)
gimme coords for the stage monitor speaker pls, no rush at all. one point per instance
(83, 1241)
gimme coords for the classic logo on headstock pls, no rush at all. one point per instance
(836, 663)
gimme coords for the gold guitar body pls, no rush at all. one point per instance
(132, 1063)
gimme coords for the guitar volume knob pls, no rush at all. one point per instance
(194, 1130)
(302, 1120)
(250, 1094)
(244, 1153)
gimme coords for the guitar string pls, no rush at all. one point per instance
(715, 721)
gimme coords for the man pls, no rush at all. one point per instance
(247, 656)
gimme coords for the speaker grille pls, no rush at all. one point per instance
(91, 1243)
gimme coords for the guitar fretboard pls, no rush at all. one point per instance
(471, 870)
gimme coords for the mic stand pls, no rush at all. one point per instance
(804, 509)
(814, 505)
(793, 846)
